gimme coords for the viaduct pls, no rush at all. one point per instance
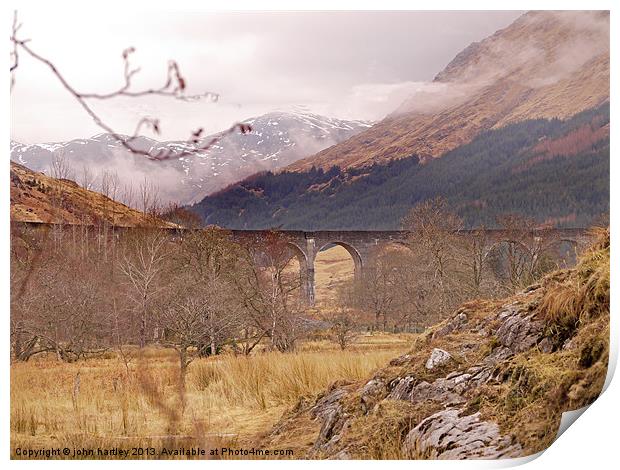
(362, 244)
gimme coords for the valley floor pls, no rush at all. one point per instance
(229, 400)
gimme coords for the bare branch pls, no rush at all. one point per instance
(174, 86)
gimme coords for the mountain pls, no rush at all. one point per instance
(519, 119)
(555, 171)
(544, 65)
(36, 197)
(277, 139)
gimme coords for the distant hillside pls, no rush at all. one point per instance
(277, 139)
(546, 64)
(39, 198)
(552, 170)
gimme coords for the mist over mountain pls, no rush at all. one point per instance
(540, 72)
(277, 139)
(546, 64)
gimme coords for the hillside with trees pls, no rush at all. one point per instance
(56, 199)
(554, 171)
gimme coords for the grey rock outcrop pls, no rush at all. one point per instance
(519, 330)
(456, 323)
(448, 435)
(328, 410)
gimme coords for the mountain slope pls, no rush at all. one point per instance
(39, 198)
(277, 140)
(490, 382)
(544, 65)
(551, 170)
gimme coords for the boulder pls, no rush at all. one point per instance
(371, 393)
(401, 388)
(456, 323)
(328, 410)
(436, 391)
(438, 357)
(327, 403)
(518, 330)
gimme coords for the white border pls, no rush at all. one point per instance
(592, 443)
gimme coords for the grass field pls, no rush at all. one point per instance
(229, 399)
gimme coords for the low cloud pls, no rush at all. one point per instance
(534, 58)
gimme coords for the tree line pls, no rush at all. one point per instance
(196, 291)
(441, 266)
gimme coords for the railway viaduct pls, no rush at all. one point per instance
(362, 244)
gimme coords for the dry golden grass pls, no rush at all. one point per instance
(229, 399)
(585, 294)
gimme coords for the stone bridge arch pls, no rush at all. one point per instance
(306, 246)
(358, 263)
(360, 244)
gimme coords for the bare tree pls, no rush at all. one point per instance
(128, 195)
(415, 301)
(474, 258)
(86, 178)
(374, 290)
(184, 326)
(271, 292)
(148, 197)
(206, 263)
(60, 168)
(434, 229)
(62, 309)
(525, 250)
(142, 265)
(344, 322)
(174, 86)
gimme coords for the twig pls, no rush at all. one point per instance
(174, 87)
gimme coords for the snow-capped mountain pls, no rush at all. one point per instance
(277, 140)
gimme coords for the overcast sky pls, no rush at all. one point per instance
(355, 65)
